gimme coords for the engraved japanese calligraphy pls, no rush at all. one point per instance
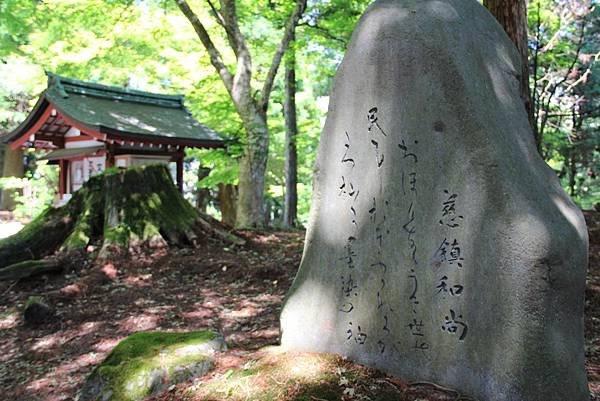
(440, 247)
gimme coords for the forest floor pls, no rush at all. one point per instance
(236, 291)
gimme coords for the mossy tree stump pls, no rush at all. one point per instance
(122, 211)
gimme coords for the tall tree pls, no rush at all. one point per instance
(12, 167)
(11, 164)
(202, 194)
(512, 16)
(251, 109)
(290, 208)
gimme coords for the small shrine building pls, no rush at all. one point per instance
(87, 127)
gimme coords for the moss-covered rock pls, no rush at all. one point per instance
(147, 363)
(37, 312)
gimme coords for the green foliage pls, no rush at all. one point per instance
(149, 44)
(565, 50)
(33, 193)
(15, 25)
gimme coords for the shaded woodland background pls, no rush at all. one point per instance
(151, 45)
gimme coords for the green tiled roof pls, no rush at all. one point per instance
(71, 152)
(124, 113)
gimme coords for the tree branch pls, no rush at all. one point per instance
(325, 32)
(243, 73)
(221, 21)
(277, 57)
(217, 14)
(215, 56)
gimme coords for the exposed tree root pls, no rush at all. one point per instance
(121, 211)
(30, 268)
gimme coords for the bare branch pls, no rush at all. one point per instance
(215, 56)
(549, 91)
(235, 35)
(216, 13)
(584, 77)
(591, 112)
(325, 32)
(277, 57)
(221, 21)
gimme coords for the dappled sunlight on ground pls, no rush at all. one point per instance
(200, 312)
(9, 320)
(191, 290)
(272, 374)
(142, 280)
(8, 351)
(140, 323)
(187, 290)
(55, 340)
(106, 345)
(64, 374)
(592, 307)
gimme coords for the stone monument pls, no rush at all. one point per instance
(440, 246)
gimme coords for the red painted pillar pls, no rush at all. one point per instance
(110, 157)
(62, 166)
(179, 162)
(63, 171)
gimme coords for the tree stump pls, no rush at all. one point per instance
(123, 211)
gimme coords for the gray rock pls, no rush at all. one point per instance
(440, 246)
(37, 312)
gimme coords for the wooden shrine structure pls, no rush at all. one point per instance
(86, 127)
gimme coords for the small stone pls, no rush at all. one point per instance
(37, 312)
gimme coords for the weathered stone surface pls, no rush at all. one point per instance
(147, 363)
(440, 247)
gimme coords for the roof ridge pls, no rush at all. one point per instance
(64, 85)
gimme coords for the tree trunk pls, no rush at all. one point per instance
(251, 109)
(291, 131)
(12, 167)
(512, 16)
(227, 202)
(572, 172)
(202, 194)
(121, 211)
(253, 164)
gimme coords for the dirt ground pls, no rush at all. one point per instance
(236, 291)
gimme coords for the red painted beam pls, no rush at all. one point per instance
(34, 128)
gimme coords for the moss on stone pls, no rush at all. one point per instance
(149, 344)
(141, 364)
